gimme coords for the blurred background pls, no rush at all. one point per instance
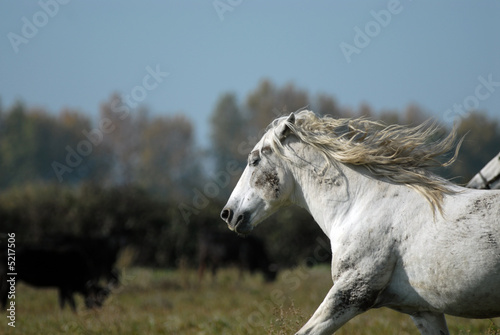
(135, 118)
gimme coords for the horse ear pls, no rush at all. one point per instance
(284, 129)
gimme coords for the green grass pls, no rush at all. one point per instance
(175, 302)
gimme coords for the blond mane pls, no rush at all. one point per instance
(400, 154)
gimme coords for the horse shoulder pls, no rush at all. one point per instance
(365, 253)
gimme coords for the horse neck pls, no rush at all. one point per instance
(336, 194)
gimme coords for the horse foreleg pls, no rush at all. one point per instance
(341, 304)
(430, 323)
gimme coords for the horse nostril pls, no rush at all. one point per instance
(240, 218)
(226, 215)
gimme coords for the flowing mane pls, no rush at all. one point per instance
(401, 154)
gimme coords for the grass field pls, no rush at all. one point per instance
(175, 302)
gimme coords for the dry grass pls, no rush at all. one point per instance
(174, 302)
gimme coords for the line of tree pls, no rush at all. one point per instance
(129, 172)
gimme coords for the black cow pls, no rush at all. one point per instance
(102, 252)
(218, 249)
(68, 269)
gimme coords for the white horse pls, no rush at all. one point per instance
(400, 236)
(488, 177)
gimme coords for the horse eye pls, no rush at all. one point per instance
(253, 158)
(254, 162)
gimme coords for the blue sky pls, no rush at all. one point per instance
(432, 53)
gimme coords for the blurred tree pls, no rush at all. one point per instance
(168, 162)
(157, 153)
(32, 210)
(262, 107)
(267, 102)
(411, 115)
(390, 117)
(290, 99)
(76, 134)
(36, 146)
(326, 105)
(16, 150)
(365, 111)
(414, 115)
(125, 127)
(227, 132)
(229, 142)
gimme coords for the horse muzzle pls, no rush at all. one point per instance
(239, 223)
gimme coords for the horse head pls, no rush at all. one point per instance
(266, 183)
